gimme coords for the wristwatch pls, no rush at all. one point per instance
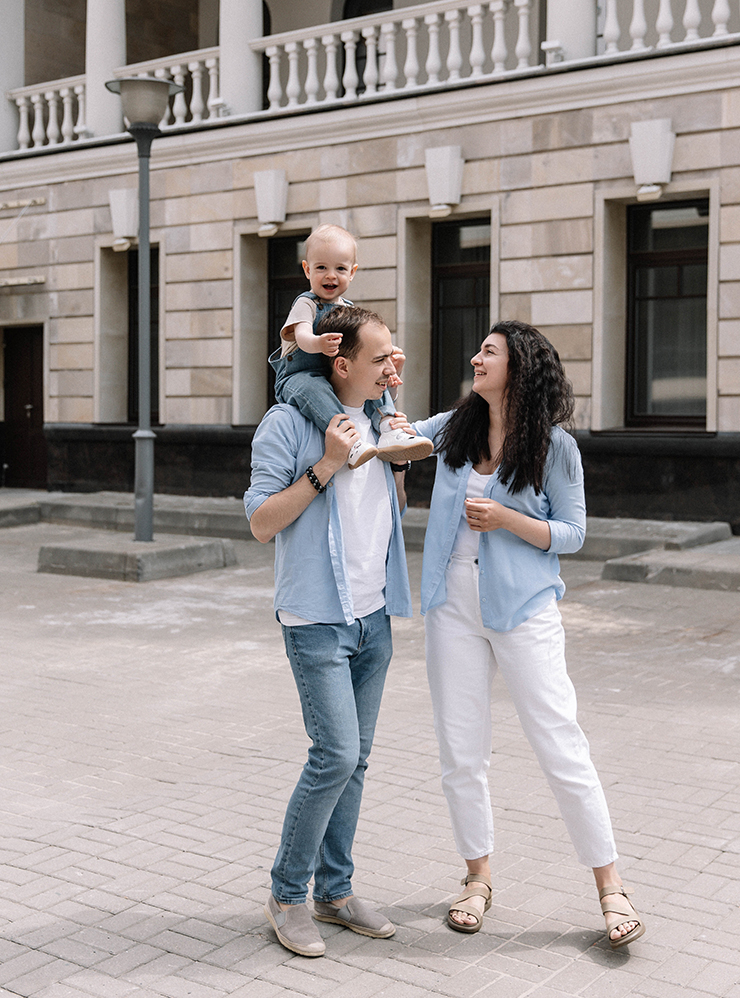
(400, 467)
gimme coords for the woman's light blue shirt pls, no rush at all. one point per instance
(517, 579)
(311, 578)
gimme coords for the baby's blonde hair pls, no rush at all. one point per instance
(327, 233)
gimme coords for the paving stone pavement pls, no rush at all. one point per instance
(151, 736)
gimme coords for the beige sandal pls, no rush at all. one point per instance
(481, 888)
(622, 910)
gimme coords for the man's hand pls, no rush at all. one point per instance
(340, 436)
(330, 343)
(281, 509)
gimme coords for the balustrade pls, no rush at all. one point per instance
(197, 72)
(428, 45)
(626, 25)
(412, 49)
(54, 113)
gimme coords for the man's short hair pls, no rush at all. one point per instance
(347, 320)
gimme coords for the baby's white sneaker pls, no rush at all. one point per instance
(360, 453)
(399, 446)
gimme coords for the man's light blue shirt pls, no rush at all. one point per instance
(516, 579)
(311, 577)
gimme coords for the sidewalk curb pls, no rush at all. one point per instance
(632, 550)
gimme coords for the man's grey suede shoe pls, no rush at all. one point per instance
(356, 915)
(295, 929)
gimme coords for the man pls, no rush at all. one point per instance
(340, 571)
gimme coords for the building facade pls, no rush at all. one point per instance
(572, 165)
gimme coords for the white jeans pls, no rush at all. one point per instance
(462, 659)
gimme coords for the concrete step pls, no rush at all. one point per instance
(191, 515)
(106, 554)
(606, 538)
(617, 538)
(709, 566)
(414, 527)
(632, 550)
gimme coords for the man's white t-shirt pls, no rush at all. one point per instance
(367, 522)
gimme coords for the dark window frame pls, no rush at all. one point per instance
(277, 286)
(637, 259)
(478, 271)
(132, 405)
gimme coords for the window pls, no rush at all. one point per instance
(461, 279)
(667, 314)
(133, 335)
(286, 282)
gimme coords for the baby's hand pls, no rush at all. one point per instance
(394, 381)
(398, 359)
(330, 343)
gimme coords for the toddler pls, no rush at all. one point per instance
(330, 265)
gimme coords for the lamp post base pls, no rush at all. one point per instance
(144, 485)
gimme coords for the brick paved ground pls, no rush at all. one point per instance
(151, 736)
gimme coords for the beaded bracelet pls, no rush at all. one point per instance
(311, 475)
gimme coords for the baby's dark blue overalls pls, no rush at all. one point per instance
(300, 378)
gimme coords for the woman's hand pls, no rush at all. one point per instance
(484, 514)
(400, 422)
(487, 514)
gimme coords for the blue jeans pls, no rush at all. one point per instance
(340, 671)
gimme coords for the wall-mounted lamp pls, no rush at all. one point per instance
(124, 213)
(651, 148)
(271, 193)
(444, 168)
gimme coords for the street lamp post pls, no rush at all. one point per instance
(144, 102)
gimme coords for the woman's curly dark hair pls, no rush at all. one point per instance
(538, 396)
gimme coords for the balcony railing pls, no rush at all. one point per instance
(429, 46)
(675, 23)
(42, 124)
(197, 72)
(51, 113)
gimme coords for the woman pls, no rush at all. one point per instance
(508, 497)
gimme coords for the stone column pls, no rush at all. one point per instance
(105, 50)
(573, 24)
(240, 21)
(12, 69)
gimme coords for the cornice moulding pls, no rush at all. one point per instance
(541, 94)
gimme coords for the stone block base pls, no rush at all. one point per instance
(112, 556)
